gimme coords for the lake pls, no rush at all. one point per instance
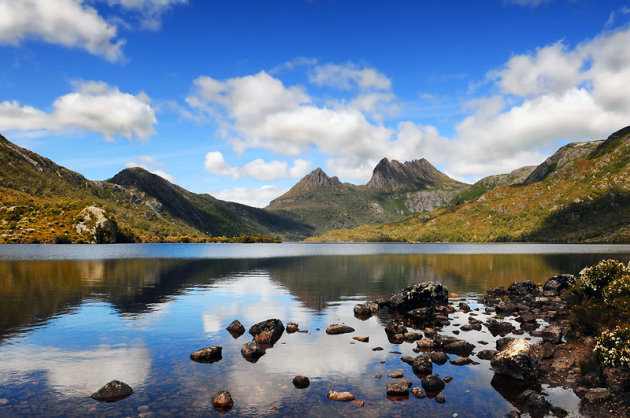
(74, 317)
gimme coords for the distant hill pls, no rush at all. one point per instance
(579, 194)
(395, 191)
(41, 201)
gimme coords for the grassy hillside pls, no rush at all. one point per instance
(41, 201)
(580, 194)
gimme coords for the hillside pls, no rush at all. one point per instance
(579, 194)
(41, 201)
(395, 192)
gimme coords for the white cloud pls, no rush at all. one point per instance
(150, 164)
(150, 11)
(347, 75)
(258, 169)
(92, 106)
(256, 197)
(69, 23)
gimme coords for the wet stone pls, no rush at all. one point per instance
(112, 392)
(362, 338)
(252, 351)
(503, 342)
(439, 398)
(292, 327)
(460, 348)
(398, 388)
(412, 336)
(396, 375)
(461, 361)
(207, 355)
(236, 328)
(377, 349)
(336, 329)
(422, 365)
(396, 327)
(438, 357)
(448, 379)
(267, 332)
(486, 354)
(418, 393)
(552, 334)
(407, 359)
(301, 382)
(340, 396)
(222, 401)
(433, 384)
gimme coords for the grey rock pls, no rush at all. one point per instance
(422, 365)
(552, 334)
(252, 351)
(518, 360)
(112, 392)
(422, 295)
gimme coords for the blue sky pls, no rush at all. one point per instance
(240, 99)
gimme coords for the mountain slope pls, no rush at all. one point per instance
(395, 191)
(41, 201)
(579, 194)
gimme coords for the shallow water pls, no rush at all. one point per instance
(73, 318)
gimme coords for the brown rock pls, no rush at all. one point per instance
(252, 351)
(292, 327)
(517, 360)
(267, 332)
(340, 396)
(301, 382)
(236, 328)
(362, 338)
(398, 388)
(396, 375)
(207, 355)
(418, 393)
(460, 361)
(112, 392)
(439, 398)
(336, 329)
(222, 401)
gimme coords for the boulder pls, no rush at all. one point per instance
(464, 307)
(398, 388)
(422, 365)
(498, 327)
(470, 327)
(412, 336)
(460, 347)
(407, 359)
(486, 354)
(336, 329)
(433, 384)
(558, 284)
(207, 355)
(236, 329)
(365, 310)
(112, 392)
(524, 288)
(292, 327)
(96, 226)
(425, 343)
(362, 338)
(396, 327)
(340, 396)
(503, 342)
(301, 382)
(421, 314)
(533, 401)
(597, 394)
(461, 361)
(517, 360)
(252, 351)
(552, 334)
(421, 295)
(438, 357)
(267, 332)
(222, 401)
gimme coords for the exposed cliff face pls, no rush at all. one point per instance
(315, 180)
(410, 175)
(560, 158)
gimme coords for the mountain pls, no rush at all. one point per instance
(395, 191)
(579, 194)
(41, 201)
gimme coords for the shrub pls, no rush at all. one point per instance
(613, 347)
(594, 279)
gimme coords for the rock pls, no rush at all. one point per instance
(597, 394)
(377, 349)
(533, 401)
(340, 396)
(440, 341)
(421, 295)
(433, 384)
(448, 379)
(527, 316)
(112, 392)
(438, 357)
(506, 308)
(470, 327)
(517, 360)
(503, 342)
(558, 284)
(398, 388)
(252, 351)
(207, 355)
(336, 329)
(236, 328)
(418, 393)
(558, 412)
(396, 327)
(464, 306)
(362, 338)
(486, 354)
(524, 288)
(301, 382)
(407, 359)
(461, 348)
(439, 398)
(292, 327)
(396, 338)
(421, 314)
(460, 361)
(222, 401)
(412, 336)
(98, 227)
(498, 327)
(552, 334)
(366, 309)
(396, 375)
(429, 332)
(425, 343)
(422, 365)
(267, 332)
(547, 351)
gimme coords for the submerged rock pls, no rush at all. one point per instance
(301, 382)
(439, 398)
(267, 332)
(222, 401)
(336, 329)
(517, 360)
(419, 296)
(112, 392)
(236, 328)
(396, 327)
(433, 384)
(340, 396)
(252, 351)
(422, 365)
(461, 348)
(207, 355)
(399, 388)
(438, 357)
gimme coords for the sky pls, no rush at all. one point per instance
(242, 98)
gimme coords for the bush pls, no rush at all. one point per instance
(594, 279)
(613, 347)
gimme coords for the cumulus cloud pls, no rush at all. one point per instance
(150, 11)
(150, 164)
(69, 23)
(258, 169)
(256, 197)
(92, 106)
(349, 75)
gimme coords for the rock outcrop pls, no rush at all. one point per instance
(518, 360)
(96, 226)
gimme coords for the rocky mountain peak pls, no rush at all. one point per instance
(393, 175)
(317, 179)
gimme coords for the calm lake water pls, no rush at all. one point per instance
(73, 317)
